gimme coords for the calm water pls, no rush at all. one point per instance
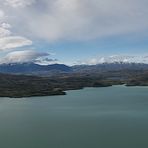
(113, 117)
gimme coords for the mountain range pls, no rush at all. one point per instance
(117, 59)
(112, 63)
(32, 68)
(31, 79)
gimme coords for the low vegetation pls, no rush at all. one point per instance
(27, 86)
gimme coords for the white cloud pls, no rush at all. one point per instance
(11, 42)
(4, 32)
(92, 61)
(5, 25)
(19, 3)
(46, 61)
(71, 20)
(74, 20)
(7, 39)
(22, 56)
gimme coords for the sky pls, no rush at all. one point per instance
(71, 31)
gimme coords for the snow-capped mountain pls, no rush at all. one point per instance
(117, 59)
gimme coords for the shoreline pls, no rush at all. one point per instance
(64, 92)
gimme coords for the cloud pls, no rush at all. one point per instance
(78, 20)
(92, 61)
(8, 41)
(46, 61)
(12, 42)
(22, 56)
(7, 38)
(5, 25)
(1, 14)
(4, 32)
(19, 3)
(70, 20)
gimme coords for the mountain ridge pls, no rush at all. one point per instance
(26, 68)
(56, 69)
(117, 59)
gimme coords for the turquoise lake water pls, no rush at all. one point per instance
(111, 117)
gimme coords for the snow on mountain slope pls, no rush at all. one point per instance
(117, 59)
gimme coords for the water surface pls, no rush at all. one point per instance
(113, 117)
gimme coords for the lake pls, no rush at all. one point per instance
(110, 117)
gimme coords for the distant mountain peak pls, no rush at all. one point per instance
(126, 59)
